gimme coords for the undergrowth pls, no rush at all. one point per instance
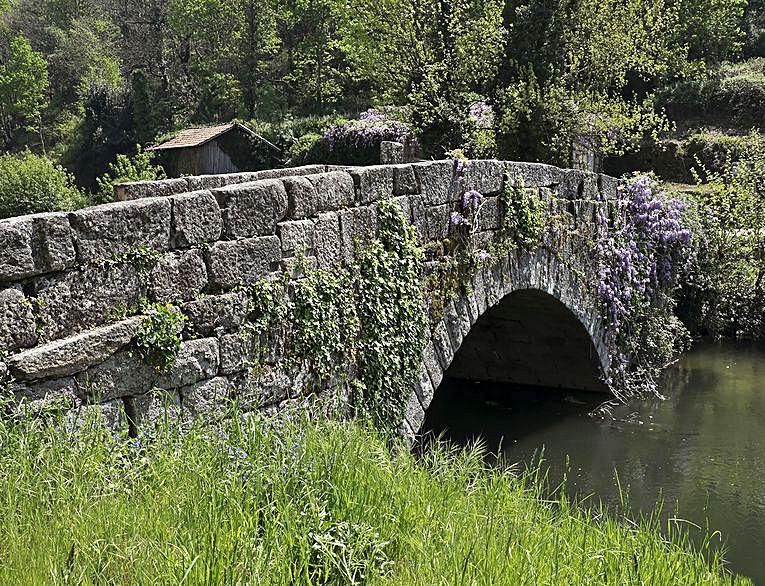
(291, 502)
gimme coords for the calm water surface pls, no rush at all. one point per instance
(702, 451)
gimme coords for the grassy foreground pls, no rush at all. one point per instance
(284, 503)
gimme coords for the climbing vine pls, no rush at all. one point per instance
(363, 326)
(392, 317)
(523, 218)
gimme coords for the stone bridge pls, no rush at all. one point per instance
(73, 285)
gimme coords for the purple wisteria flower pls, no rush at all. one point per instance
(471, 200)
(481, 114)
(644, 252)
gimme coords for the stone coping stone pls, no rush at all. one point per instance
(75, 354)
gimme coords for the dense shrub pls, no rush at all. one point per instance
(288, 140)
(725, 291)
(676, 159)
(357, 142)
(30, 184)
(732, 96)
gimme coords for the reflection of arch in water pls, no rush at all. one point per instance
(529, 321)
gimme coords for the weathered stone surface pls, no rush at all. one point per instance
(74, 354)
(432, 364)
(259, 389)
(419, 217)
(236, 351)
(38, 398)
(436, 180)
(358, 226)
(215, 313)
(243, 261)
(297, 236)
(373, 183)
(424, 387)
(146, 189)
(489, 216)
(443, 345)
(155, 408)
(108, 231)
(301, 196)
(535, 174)
(75, 301)
(110, 415)
(125, 374)
(206, 399)
(52, 245)
(415, 414)
(391, 152)
(252, 209)
(609, 186)
(333, 190)
(196, 219)
(405, 180)
(298, 267)
(453, 325)
(405, 206)
(484, 176)
(179, 276)
(328, 241)
(17, 323)
(438, 222)
(16, 257)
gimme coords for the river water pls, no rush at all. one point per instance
(701, 451)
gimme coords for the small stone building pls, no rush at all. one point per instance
(210, 150)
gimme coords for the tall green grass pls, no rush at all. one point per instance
(274, 502)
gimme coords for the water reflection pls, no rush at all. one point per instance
(702, 451)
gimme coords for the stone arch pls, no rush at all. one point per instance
(539, 280)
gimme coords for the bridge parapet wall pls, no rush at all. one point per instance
(73, 285)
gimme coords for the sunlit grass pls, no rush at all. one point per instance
(304, 503)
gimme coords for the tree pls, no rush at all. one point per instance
(23, 81)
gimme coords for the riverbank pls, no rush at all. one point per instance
(304, 503)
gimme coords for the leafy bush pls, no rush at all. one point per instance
(725, 291)
(676, 159)
(159, 338)
(734, 95)
(139, 167)
(30, 184)
(357, 142)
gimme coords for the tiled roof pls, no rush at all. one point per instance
(194, 137)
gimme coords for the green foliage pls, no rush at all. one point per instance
(23, 81)
(731, 96)
(367, 320)
(301, 149)
(30, 184)
(523, 214)
(725, 291)
(138, 167)
(159, 338)
(106, 131)
(280, 502)
(392, 317)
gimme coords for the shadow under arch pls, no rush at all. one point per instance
(528, 321)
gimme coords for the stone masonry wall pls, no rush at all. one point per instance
(72, 283)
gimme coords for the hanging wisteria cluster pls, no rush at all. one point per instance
(642, 250)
